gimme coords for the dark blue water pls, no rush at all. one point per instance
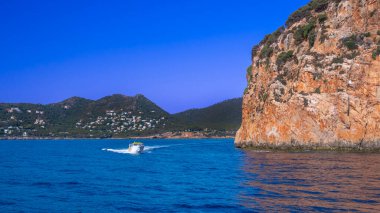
(182, 176)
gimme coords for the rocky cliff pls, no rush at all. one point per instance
(315, 82)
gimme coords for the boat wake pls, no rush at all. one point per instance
(120, 151)
(147, 149)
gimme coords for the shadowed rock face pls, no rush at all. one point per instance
(316, 83)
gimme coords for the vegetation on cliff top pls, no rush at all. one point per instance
(268, 40)
(306, 11)
(264, 50)
(306, 32)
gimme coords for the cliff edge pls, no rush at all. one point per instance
(315, 83)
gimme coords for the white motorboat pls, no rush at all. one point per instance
(136, 147)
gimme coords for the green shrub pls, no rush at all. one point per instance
(367, 34)
(283, 58)
(265, 39)
(254, 51)
(263, 95)
(249, 73)
(352, 55)
(319, 5)
(305, 11)
(373, 13)
(308, 28)
(376, 52)
(323, 35)
(298, 35)
(350, 42)
(337, 60)
(266, 52)
(274, 36)
(351, 45)
(378, 32)
(318, 90)
(322, 18)
(323, 38)
(305, 102)
(312, 37)
(267, 42)
(303, 32)
(374, 55)
(271, 38)
(281, 78)
(317, 76)
(267, 62)
(246, 90)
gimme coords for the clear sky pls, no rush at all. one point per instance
(181, 54)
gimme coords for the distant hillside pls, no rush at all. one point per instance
(115, 115)
(111, 116)
(225, 115)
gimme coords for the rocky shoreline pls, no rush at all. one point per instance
(297, 146)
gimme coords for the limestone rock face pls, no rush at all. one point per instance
(316, 82)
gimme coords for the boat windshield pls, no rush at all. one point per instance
(137, 143)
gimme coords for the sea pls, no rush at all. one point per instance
(184, 175)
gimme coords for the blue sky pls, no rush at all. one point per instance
(180, 54)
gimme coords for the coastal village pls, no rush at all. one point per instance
(115, 116)
(118, 122)
(111, 122)
(14, 126)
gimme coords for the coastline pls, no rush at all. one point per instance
(115, 138)
(297, 147)
(164, 135)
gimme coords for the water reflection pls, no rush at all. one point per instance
(280, 181)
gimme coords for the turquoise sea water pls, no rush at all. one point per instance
(182, 176)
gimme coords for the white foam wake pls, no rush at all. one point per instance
(147, 149)
(150, 148)
(121, 151)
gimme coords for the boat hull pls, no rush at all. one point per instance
(136, 149)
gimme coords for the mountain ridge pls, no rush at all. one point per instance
(229, 110)
(115, 115)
